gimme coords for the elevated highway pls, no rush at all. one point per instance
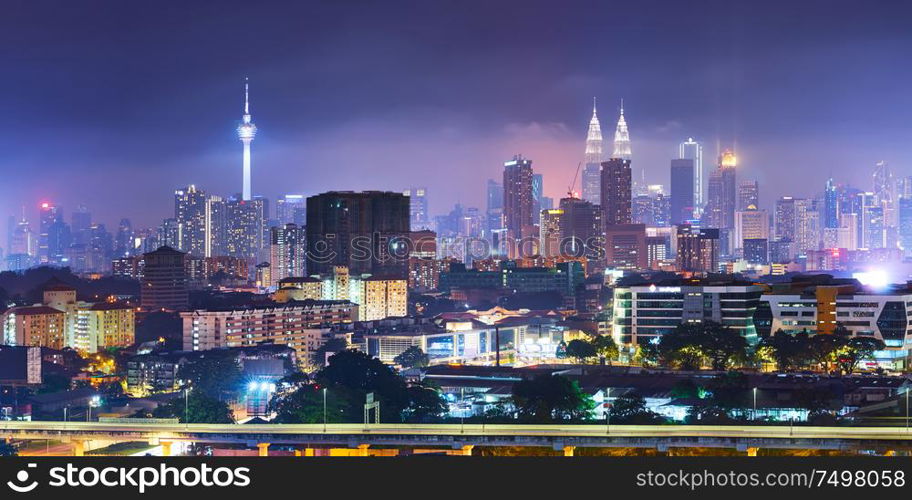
(464, 437)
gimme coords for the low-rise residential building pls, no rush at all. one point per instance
(34, 326)
(303, 326)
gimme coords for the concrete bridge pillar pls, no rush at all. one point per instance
(79, 448)
(569, 451)
(166, 448)
(263, 449)
(362, 450)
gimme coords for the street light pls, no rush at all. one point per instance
(608, 412)
(755, 403)
(186, 405)
(907, 410)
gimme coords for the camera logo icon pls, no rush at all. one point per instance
(21, 485)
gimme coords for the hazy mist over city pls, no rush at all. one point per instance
(115, 106)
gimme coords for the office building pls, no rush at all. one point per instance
(682, 191)
(644, 313)
(697, 249)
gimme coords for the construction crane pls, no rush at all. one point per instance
(572, 184)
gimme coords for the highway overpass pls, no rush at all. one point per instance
(465, 437)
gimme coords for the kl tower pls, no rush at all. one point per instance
(246, 132)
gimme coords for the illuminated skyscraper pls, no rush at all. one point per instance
(830, 205)
(591, 181)
(418, 207)
(720, 201)
(190, 213)
(621, 138)
(693, 150)
(518, 199)
(246, 132)
(616, 192)
(748, 195)
(286, 253)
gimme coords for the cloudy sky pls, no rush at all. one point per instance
(115, 104)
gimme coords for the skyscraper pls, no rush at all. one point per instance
(365, 232)
(720, 201)
(418, 207)
(286, 253)
(538, 188)
(52, 235)
(748, 195)
(616, 191)
(164, 281)
(246, 229)
(518, 199)
(785, 218)
(494, 209)
(190, 213)
(682, 192)
(246, 132)
(698, 249)
(621, 138)
(830, 205)
(692, 150)
(591, 181)
(287, 206)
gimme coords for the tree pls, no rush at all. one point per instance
(213, 375)
(605, 347)
(723, 346)
(304, 405)
(333, 345)
(413, 357)
(630, 408)
(549, 398)
(197, 408)
(581, 350)
(359, 374)
(855, 350)
(647, 354)
(8, 450)
(425, 404)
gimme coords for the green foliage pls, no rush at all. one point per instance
(215, 375)
(581, 350)
(200, 409)
(305, 406)
(549, 398)
(605, 347)
(839, 349)
(647, 354)
(334, 345)
(348, 378)
(630, 408)
(425, 404)
(413, 357)
(691, 345)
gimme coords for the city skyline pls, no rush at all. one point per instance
(473, 132)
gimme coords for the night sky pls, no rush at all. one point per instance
(115, 104)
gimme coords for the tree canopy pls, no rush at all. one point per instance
(549, 398)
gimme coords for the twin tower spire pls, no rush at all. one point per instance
(594, 147)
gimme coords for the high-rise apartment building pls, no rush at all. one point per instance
(616, 192)
(365, 232)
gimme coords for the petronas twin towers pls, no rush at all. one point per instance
(595, 154)
(594, 147)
